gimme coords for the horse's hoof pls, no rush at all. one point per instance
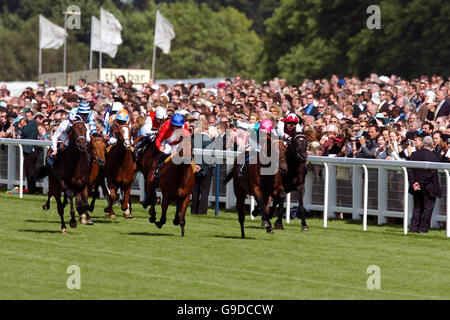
(89, 222)
(265, 224)
(127, 216)
(269, 230)
(254, 213)
(73, 223)
(112, 215)
(144, 204)
(64, 231)
(279, 226)
(158, 224)
(305, 228)
(176, 222)
(45, 207)
(152, 219)
(83, 218)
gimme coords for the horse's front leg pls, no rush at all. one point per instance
(279, 201)
(301, 208)
(126, 202)
(112, 199)
(164, 205)
(184, 206)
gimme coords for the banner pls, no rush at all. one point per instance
(51, 36)
(164, 33)
(110, 28)
(97, 44)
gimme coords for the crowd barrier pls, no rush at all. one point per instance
(360, 187)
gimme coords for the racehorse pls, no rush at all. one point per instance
(146, 164)
(70, 175)
(294, 178)
(97, 150)
(119, 171)
(176, 182)
(263, 187)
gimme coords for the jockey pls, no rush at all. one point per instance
(82, 113)
(152, 124)
(289, 126)
(266, 126)
(168, 138)
(117, 120)
(110, 117)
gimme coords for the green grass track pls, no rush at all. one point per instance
(133, 259)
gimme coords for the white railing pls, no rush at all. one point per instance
(360, 177)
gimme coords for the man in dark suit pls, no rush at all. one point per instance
(203, 176)
(29, 130)
(310, 109)
(443, 105)
(424, 186)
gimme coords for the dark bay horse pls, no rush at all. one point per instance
(70, 175)
(97, 152)
(263, 187)
(119, 171)
(294, 178)
(176, 182)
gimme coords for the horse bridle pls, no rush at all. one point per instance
(299, 153)
(80, 137)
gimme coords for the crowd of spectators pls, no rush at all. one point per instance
(376, 117)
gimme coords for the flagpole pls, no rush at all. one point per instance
(90, 49)
(154, 47)
(40, 50)
(65, 44)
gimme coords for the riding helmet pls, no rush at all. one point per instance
(84, 107)
(266, 126)
(177, 120)
(160, 113)
(123, 116)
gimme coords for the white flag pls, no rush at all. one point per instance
(163, 33)
(51, 36)
(110, 28)
(97, 44)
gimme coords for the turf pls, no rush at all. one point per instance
(133, 259)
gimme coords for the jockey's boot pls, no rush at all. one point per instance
(160, 165)
(241, 170)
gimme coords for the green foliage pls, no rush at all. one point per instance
(208, 43)
(316, 38)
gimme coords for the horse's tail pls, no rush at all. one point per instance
(228, 178)
(41, 172)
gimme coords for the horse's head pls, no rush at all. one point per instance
(79, 135)
(125, 136)
(299, 146)
(97, 149)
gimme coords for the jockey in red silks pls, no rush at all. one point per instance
(153, 123)
(289, 126)
(170, 134)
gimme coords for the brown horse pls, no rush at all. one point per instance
(97, 151)
(119, 171)
(263, 187)
(146, 164)
(294, 178)
(70, 175)
(176, 183)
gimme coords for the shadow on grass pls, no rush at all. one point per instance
(148, 234)
(232, 237)
(42, 221)
(40, 231)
